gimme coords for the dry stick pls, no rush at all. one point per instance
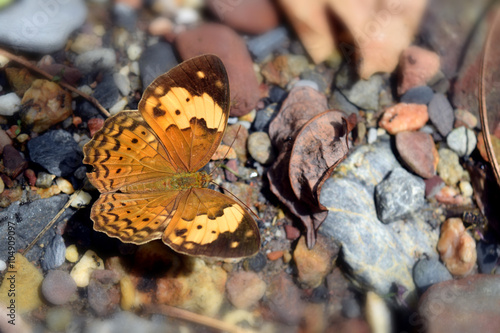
(195, 318)
(29, 65)
(51, 223)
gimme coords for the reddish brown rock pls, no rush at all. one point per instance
(225, 43)
(248, 16)
(465, 305)
(236, 136)
(404, 117)
(292, 233)
(95, 124)
(13, 161)
(417, 66)
(284, 301)
(450, 196)
(433, 185)
(4, 140)
(456, 247)
(418, 151)
(275, 255)
(245, 289)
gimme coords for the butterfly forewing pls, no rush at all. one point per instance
(188, 109)
(209, 223)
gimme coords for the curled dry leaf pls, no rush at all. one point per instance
(311, 142)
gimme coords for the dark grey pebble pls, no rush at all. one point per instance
(427, 272)
(418, 95)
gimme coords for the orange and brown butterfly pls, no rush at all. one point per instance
(146, 166)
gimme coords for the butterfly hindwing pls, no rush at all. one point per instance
(125, 152)
(188, 108)
(209, 223)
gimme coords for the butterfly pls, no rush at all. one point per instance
(146, 162)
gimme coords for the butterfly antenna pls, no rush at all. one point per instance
(227, 153)
(238, 199)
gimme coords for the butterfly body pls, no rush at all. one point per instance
(146, 166)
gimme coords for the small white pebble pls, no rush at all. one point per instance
(85, 89)
(134, 68)
(119, 106)
(134, 52)
(71, 253)
(3, 61)
(465, 188)
(65, 186)
(372, 135)
(83, 269)
(3, 265)
(381, 131)
(82, 199)
(187, 16)
(9, 104)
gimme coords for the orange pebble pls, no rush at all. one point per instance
(275, 255)
(404, 117)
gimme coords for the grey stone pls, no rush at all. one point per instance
(399, 195)
(125, 16)
(26, 220)
(155, 61)
(263, 45)
(441, 114)
(55, 253)
(418, 95)
(427, 272)
(263, 117)
(107, 92)
(40, 26)
(96, 60)
(365, 93)
(339, 102)
(57, 152)
(488, 257)
(462, 140)
(376, 254)
(307, 83)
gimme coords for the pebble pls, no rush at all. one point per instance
(127, 293)
(82, 199)
(465, 118)
(417, 67)
(488, 257)
(107, 92)
(449, 195)
(122, 83)
(118, 106)
(292, 233)
(377, 313)
(38, 27)
(464, 305)
(365, 93)
(71, 254)
(245, 289)
(58, 319)
(3, 265)
(418, 95)
(462, 140)
(275, 255)
(418, 151)
(155, 61)
(93, 61)
(27, 283)
(264, 117)
(283, 300)
(314, 264)
(125, 16)
(9, 104)
(47, 104)
(237, 136)
(230, 47)
(103, 298)
(429, 271)
(95, 124)
(65, 186)
(44, 180)
(339, 102)
(399, 195)
(433, 185)
(277, 94)
(83, 269)
(404, 117)
(372, 135)
(449, 168)
(260, 147)
(58, 287)
(134, 52)
(14, 161)
(441, 114)
(4, 140)
(84, 42)
(54, 253)
(256, 263)
(456, 247)
(61, 161)
(306, 83)
(263, 45)
(160, 26)
(466, 188)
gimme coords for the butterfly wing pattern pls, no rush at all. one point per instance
(146, 161)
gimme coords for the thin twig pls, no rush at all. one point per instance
(43, 73)
(51, 223)
(195, 318)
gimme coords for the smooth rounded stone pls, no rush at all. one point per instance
(418, 95)
(465, 188)
(41, 27)
(263, 45)
(339, 102)
(456, 247)
(83, 269)
(14, 161)
(488, 257)
(264, 117)
(107, 92)
(5, 140)
(283, 300)
(118, 106)
(27, 281)
(230, 47)
(377, 313)
(417, 67)
(256, 263)
(399, 195)
(30, 220)
(314, 264)
(125, 321)
(54, 254)
(427, 272)
(44, 180)
(306, 83)
(122, 83)
(372, 135)
(449, 168)
(247, 16)
(56, 151)
(3, 265)
(155, 61)
(58, 319)
(365, 93)
(82, 199)
(465, 305)
(433, 185)
(58, 287)
(418, 151)
(103, 298)
(404, 117)
(465, 118)
(71, 254)
(124, 16)
(462, 140)
(370, 248)
(441, 114)
(245, 289)
(260, 147)
(93, 61)
(277, 94)
(9, 104)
